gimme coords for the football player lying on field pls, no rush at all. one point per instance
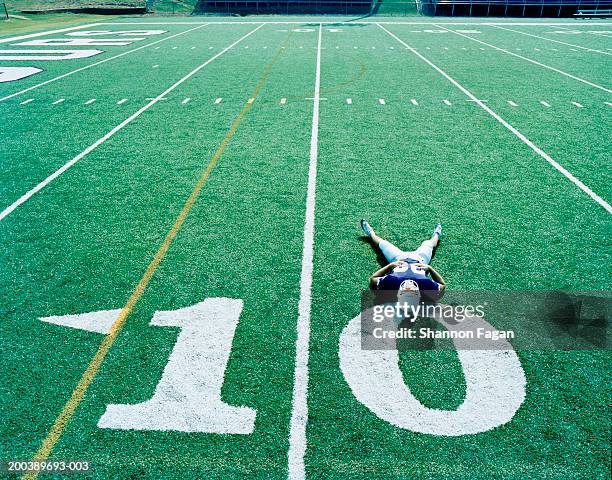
(408, 272)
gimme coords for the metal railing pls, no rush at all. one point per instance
(278, 7)
(484, 8)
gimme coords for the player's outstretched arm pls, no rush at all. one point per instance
(435, 275)
(381, 272)
(437, 278)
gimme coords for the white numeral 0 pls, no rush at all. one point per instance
(495, 385)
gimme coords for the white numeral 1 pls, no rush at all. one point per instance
(188, 396)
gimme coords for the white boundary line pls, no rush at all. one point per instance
(569, 75)
(98, 63)
(48, 32)
(299, 412)
(551, 40)
(518, 134)
(103, 139)
(306, 21)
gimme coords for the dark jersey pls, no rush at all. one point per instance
(410, 271)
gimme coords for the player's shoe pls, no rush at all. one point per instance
(438, 230)
(369, 231)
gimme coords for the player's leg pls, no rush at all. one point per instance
(390, 251)
(425, 252)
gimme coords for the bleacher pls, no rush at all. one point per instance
(514, 8)
(593, 13)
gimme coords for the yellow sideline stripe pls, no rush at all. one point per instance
(79, 392)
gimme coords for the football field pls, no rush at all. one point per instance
(180, 249)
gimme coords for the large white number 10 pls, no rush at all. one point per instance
(188, 396)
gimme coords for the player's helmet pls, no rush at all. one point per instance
(408, 292)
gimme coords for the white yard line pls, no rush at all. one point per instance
(283, 101)
(349, 101)
(299, 412)
(518, 134)
(447, 102)
(48, 32)
(218, 101)
(600, 34)
(413, 101)
(186, 101)
(569, 75)
(382, 101)
(579, 105)
(582, 24)
(25, 197)
(58, 101)
(25, 102)
(512, 104)
(90, 101)
(546, 104)
(551, 40)
(98, 63)
(122, 101)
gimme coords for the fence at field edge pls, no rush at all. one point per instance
(512, 8)
(484, 8)
(286, 7)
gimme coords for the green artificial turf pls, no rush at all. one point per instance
(48, 5)
(511, 221)
(38, 23)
